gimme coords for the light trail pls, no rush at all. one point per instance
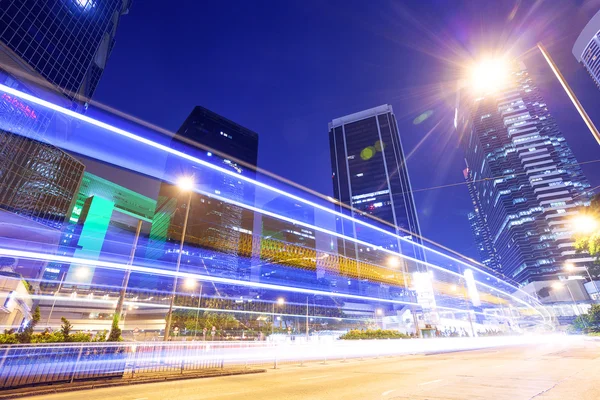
(380, 248)
(85, 299)
(196, 160)
(229, 281)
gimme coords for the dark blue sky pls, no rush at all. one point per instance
(286, 68)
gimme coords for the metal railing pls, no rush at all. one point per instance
(32, 364)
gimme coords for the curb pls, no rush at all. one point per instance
(47, 390)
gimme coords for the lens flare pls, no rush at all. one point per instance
(489, 76)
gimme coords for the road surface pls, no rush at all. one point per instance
(564, 369)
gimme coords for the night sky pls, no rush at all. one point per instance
(286, 68)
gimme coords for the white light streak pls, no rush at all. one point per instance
(195, 160)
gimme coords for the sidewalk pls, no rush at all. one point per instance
(147, 377)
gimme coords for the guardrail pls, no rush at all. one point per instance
(32, 364)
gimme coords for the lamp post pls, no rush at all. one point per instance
(571, 267)
(119, 308)
(558, 285)
(81, 272)
(191, 284)
(280, 302)
(62, 279)
(185, 184)
(307, 318)
(379, 312)
(586, 118)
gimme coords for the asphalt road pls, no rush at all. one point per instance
(561, 370)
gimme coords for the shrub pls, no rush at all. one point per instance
(8, 337)
(25, 335)
(65, 329)
(356, 334)
(115, 331)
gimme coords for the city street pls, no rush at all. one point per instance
(564, 369)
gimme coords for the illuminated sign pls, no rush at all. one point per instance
(472, 287)
(424, 288)
(25, 109)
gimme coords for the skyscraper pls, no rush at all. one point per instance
(67, 42)
(523, 178)
(370, 176)
(587, 48)
(54, 50)
(213, 223)
(480, 228)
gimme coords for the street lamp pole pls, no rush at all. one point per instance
(307, 318)
(571, 267)
(592, 280)
(273, 320)
(62, 279)
(586, 118)
(185, 222)
(119, 308)
(280, 302)
(198, 312)
(573, 298)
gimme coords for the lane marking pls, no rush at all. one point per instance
(388, 392)
(430, 382)
(315, 377)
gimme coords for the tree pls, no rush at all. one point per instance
(115, 331)
(591, 242)
(65, 329)
(588, 322)
(25, 335)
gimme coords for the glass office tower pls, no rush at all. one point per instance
(524, 179)
(370, 177)
(55, 50)
(480, 228)
(67, 42)
(587, 48)
(216, 229)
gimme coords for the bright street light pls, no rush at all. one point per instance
(570, 267)
(393, 262)
(190, 283)
(280, 302)
(558, 285)
(185, 183)
(379, 311)
(489, 75)
(584, 224)
(82, 273)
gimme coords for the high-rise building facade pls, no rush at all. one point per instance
(370, 175)
(587, 48)
(523, 178)
(480, 227)
(55, 50)
(67, 42)
(213, 223)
